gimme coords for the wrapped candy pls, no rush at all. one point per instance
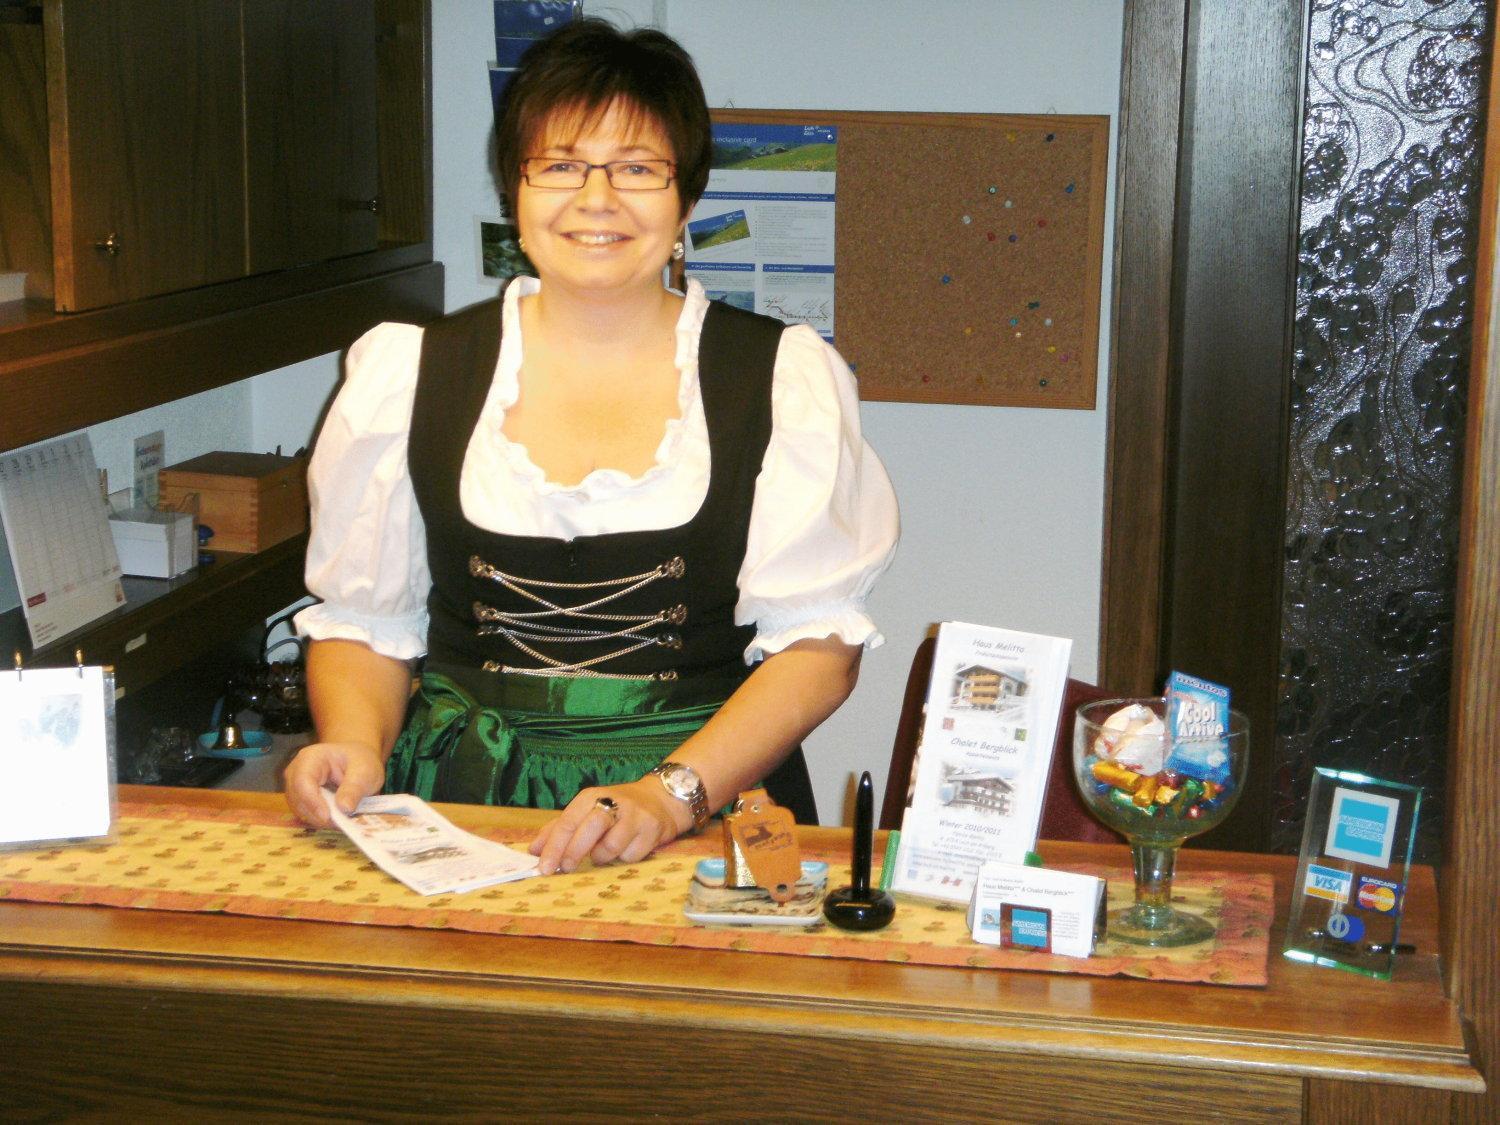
(1117, 777)
(1134, 767)
(1188, 796)
(1126, 801)
(1134, 737)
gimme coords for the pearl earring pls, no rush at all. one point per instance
(677, 251)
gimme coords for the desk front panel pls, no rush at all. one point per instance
(131, 1004)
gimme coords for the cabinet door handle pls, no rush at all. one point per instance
(372, 205)
(110, 245)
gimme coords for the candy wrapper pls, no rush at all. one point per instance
(1173, 768)
(1132, 738)
(1198, 716)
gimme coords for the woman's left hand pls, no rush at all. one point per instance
(644, 817)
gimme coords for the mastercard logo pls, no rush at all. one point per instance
(1372, 896)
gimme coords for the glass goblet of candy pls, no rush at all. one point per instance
(1156, 791)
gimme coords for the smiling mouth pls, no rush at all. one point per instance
(594, 238)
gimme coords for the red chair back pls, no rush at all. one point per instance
(1064, 815)
(908, 734)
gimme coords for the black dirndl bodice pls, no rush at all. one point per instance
(641, 605)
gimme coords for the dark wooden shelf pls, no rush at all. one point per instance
(166, 624)
(62, 372)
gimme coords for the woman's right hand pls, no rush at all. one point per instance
(359, 697)
(353, 769)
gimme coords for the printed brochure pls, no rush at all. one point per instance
(411, 841)
(981, 771)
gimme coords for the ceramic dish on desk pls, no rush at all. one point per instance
(710, 903)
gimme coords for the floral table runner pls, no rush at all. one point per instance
(170, 857)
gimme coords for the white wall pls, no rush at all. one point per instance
(201, 423)
(286, 405)
(1029, 558)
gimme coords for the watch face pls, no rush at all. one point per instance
(681, 780)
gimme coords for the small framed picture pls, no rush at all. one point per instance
(498, 249)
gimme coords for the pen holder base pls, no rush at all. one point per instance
(848, 910)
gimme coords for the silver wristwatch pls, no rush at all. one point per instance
(684, 783)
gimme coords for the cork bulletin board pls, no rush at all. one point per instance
(968, 253)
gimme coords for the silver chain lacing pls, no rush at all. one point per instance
(532, 625)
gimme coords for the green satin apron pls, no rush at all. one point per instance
(490, 738)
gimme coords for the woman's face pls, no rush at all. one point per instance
(596, 238)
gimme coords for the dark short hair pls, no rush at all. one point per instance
(585, 67)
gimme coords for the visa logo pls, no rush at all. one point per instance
(1328, 883)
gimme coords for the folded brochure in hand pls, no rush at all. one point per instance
(409, 840)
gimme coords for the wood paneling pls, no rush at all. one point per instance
(380, 1061)
(1471, 870)
(1140, 346)
(1210, 112)
(404, 77)
(147, 144)
(54, 391)
(25, 183)
(310, 150)
(1364, 1103)
(1237, 214)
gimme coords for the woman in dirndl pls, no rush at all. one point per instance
(627, 533)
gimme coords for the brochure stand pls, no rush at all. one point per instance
(57, 754)
(980, 777)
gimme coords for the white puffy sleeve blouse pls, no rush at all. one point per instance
(823, 526)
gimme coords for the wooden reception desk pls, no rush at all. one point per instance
(153, 1014)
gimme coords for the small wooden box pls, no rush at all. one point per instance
(251, 500)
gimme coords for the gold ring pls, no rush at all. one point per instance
(610, 807)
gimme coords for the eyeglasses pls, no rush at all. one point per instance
(552, 174)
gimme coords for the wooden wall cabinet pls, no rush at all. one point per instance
(25, 185)
(202, 190)
(146, 127)
(311, 138)
(196, 141)
(265, 170)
